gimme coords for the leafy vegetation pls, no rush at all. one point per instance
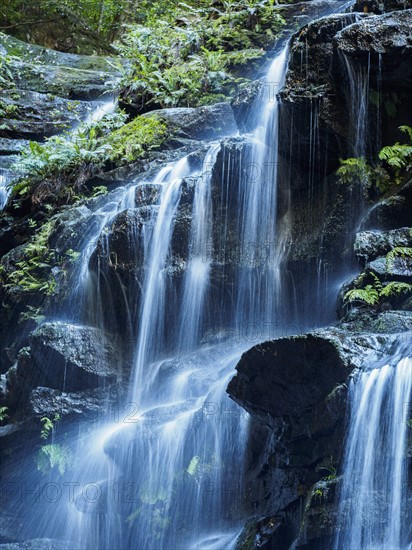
(393, 166)
(132, 140)
(53, 456)
(71, 157)
(48, 425)
(373, 294)
(398, 253)
(57, 170)
(31, 273)
(181, 56)
(3, 413)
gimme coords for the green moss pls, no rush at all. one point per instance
(130, 142)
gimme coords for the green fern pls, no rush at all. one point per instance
(53, 456)
(3, 413)
(395, 288)
(397, 155)
(406, 130)
(369, 295)
(354, 169)
(372, 294)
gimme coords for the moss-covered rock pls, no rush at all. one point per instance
(130, 142)
(66, 75)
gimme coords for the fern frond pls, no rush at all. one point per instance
(398, 251)
(406, 130)
(395, 288)
(369, 295)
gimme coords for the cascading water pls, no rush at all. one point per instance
(257, 275)
(168, 475)
(374, 510)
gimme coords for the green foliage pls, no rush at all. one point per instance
(72, 254)
(65, 154)
(369, 295)
(3, 413)
(99, 190)
(48, 425)
(132, 140)
(397, 155)
(179, 51)
(6, 74)
(395, 163)
(31, 313)
(53, 456)
(30, 272)
(372, 294)
(354, 169)
(402, 252)
(394, 288)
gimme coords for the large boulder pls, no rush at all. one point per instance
(34, 116)
(200, 123)
(295, 390)
(371, 244)
(72, 357)
(288, 377)
(48, 71)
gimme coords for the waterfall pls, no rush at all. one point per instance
(374, 507)
(258, 271)
(4, 181)
(168, 474)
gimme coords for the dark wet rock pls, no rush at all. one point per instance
(117, 269)
(33, 115)
(298, 431)
(378, 7)
(310, 73)
(209, 122)
(387, 34)
(148, 194)
(320, 515)
(243, 103)
(398, 270)
(288, 376)
(72, 357)
(48, 71)
(90, 405)
(392, 212)
(386, 322)
(371, 244)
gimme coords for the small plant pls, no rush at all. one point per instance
(29, 273)
(395, 163)
(53, 456)
(3, 413)
(354, 169)
(99, 190)
(48, 425)
(372, 294)
(31, 313)
(73, 255)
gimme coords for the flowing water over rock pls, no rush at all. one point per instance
(164, 469)
(375, 506)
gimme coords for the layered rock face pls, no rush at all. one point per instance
(344, 72)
